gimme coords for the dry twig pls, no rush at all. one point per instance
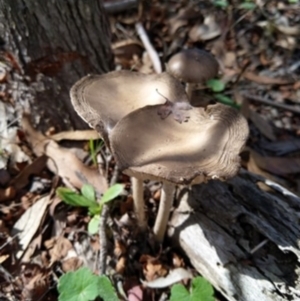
(149, 47)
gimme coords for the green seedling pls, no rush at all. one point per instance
(200, 290)
(248, 5)
(217, 86)
(83, 285)
(221, 3)
(87, 199)
(94, 147)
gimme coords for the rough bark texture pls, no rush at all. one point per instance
(218, 225)
(56, 43)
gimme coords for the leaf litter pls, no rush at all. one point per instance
(258, 51)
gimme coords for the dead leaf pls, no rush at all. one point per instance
(281, 166)
(27, 225)
(121, 264)
(3, 258)
(119, 248)
(62, 161)
(281, 148)
(7, 194)
(35, 168)
(71, 264)
(58, 248)
(289, 30)
(76, 135)
(265, 80)
(152, 267)
(210, 29)
(263, 125)
(35, 282)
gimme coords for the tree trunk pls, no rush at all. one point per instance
(56, 43)
(244, 240)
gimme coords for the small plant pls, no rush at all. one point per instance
(200, 290)
(248, 5)
(94, 148)
(221, 3)
(83, 285)
(87, 199)
(218, 86)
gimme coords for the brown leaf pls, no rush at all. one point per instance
(263, 125)
(7, 194)
(265, 80)
(35, 282)
(35, 168)
(62, 161)
(152, 267)
(121, 264)
(281, 166)
(59, 248)
(76, 135)
(71, 264)
(119, 248)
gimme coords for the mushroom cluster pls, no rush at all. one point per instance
(154, 133)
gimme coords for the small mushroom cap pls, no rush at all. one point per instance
(202, 144)
(102, 100)
(193, 66)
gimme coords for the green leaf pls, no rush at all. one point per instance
(247, 5)
(88, 191)
(201, 290)
(111, 193)
(179, 293)
(216, 85)
(226, 100)
(72, 198)
(221, 3)
(80, 285)
(106, 290)
(92, 150)
(93, 225)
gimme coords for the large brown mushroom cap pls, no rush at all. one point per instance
(199, 144)
(102, 100)
(193, 66)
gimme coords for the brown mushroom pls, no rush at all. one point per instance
(186, 146)
(102, 100)
(193, 66)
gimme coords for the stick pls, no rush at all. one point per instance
(271, 103)
(149, 48)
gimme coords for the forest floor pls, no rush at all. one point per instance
(257, 45)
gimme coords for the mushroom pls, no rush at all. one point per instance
(179, 144)
(103, 100)
(193, 66)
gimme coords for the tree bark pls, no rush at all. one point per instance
(56, 43)
(244, 240)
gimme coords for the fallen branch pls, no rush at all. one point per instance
(244, 240)
(149, 48)
(270, 103)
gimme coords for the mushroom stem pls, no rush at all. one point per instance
(166, 202)
(189, 90)
(138, 202)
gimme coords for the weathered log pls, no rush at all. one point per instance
(244, 240)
